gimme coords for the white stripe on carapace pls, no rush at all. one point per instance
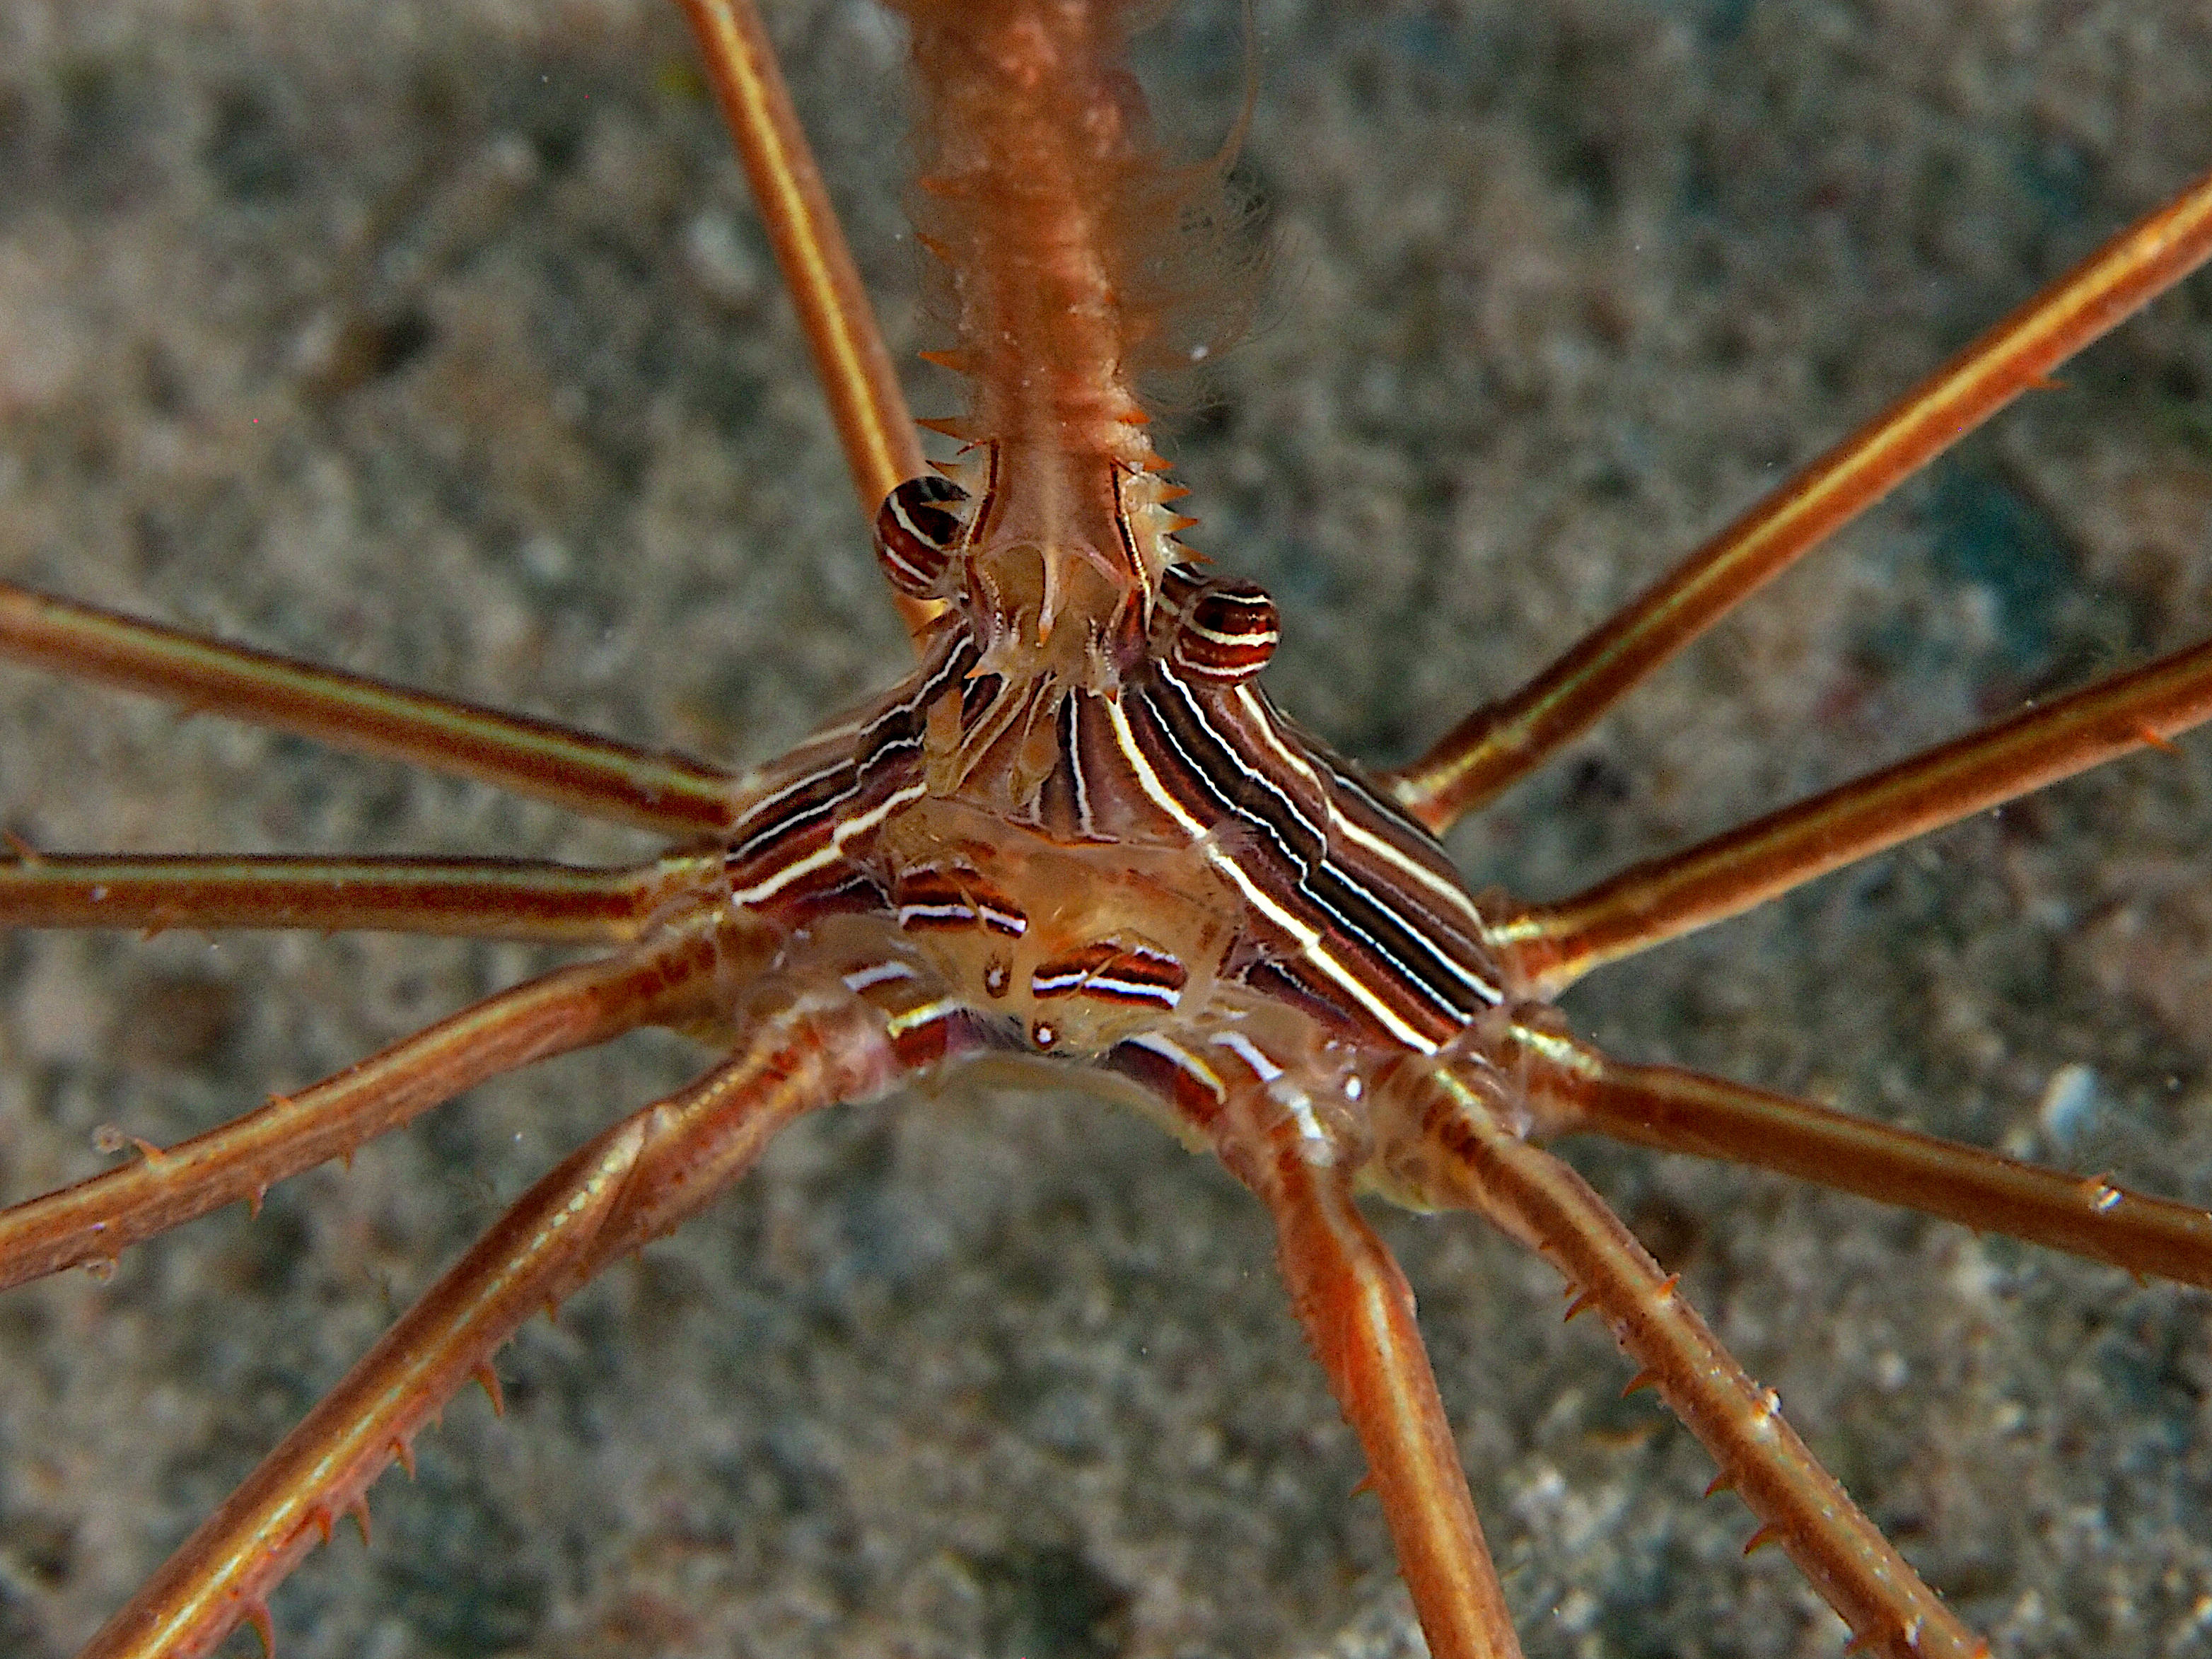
(1011, 923)
(909, 913)
(857, 765)
(1176, 1055)
(1147, 779)
(1309, 939)
(1259, 719)
(831, 850)
(1367, 842)
(1311, 874)
(1086, 824)
(776, 826)
(880, 973)
(1104, 982)
(1250, 1053)
(898, 1025)
(1439, 885)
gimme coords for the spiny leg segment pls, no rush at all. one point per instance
(1351, 1296)
(630, 1184)
(680, 964)
(681, 979)
(1466, 1156)
(1578, 1091)
(1540, 1201)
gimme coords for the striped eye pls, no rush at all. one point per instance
(1227, 634)
(917, 527)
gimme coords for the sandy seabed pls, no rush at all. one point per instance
(436, 341)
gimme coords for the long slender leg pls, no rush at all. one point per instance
(1581, 1090)
(1358, 1313)
(631, 1184)
(881, 448)
(467, 898)
(1473, 1161)
(1556, 944)
(1501, 741)
(570, 1008)
(593, 775)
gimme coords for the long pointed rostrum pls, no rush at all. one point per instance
(1501, 742)
(632, 1183)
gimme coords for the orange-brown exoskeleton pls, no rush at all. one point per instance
(442, 348)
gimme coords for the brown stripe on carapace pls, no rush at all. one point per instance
(930, 896)
(1170, 1072)
(1278, 979)
(944, 1034)
(1112, 973)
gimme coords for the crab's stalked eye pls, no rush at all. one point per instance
(917, 527)
(1227, 634)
